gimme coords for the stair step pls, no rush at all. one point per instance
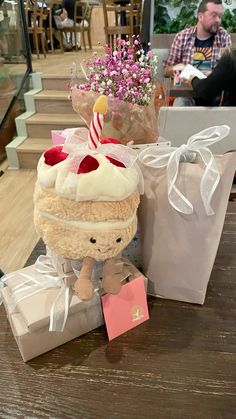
(40, 125)
(35, 144)
(55, 82)
(52, 94)
(52, 101)
(30, 151)
(53, 111)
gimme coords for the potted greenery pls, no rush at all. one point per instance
(229, 23)
(166, 27)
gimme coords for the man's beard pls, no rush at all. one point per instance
(211, 29)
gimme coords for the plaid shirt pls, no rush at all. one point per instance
(182, 48)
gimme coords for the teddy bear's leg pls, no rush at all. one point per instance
(110, 282)
(83, 286)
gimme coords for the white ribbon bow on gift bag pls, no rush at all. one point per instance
(170, 157)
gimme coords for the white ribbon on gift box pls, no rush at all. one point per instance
(48, 274)
(60, 308)
(170, 157)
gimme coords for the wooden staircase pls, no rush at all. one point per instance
(48, 109)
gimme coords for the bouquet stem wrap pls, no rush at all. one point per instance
(124, 121)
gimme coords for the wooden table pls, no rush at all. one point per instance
(180, 91)
(179, 364)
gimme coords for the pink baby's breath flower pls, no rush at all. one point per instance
(98, 61)
(126, 73)
(134, 68)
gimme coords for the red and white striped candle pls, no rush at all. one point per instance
(95, 130)
(96, 126)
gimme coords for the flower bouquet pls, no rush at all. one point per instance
(126, 77)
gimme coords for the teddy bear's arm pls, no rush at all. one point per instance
(83, 286)
(110, 281)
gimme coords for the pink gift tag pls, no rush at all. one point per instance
(127, 309)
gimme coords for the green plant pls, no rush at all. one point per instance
(178, 3)
(229, 20)
(163, 22)
(161, 18)
(186, 17)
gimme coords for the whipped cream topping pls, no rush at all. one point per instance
(107, 183)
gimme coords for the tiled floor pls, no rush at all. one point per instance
(58, 63)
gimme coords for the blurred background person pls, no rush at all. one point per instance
(200, 45)
(219, 88)
(65, 19)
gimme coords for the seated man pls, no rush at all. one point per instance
(200, 45)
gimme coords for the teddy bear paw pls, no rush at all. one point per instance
(111, 285)
(84, 289)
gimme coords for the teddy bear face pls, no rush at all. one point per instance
(76, 243)
(77, 229)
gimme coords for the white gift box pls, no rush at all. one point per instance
(30, 317)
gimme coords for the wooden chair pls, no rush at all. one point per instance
(51, 28)
(121, 18)
(82, 23)
(36, 17)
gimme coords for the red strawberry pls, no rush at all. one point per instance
(109, 140)
(87, 165)
(54, 155)
(115, 162)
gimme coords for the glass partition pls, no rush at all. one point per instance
(15, 66)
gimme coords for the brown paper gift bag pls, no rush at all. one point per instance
(178, 249)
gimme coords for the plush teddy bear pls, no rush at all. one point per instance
(85, 203)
